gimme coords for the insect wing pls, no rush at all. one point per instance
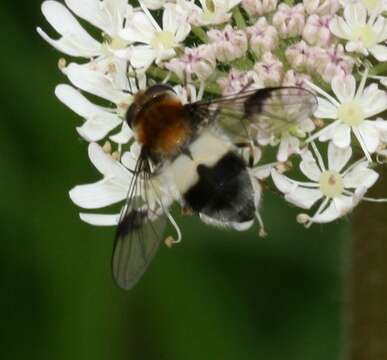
(271, 110)
(139, 234)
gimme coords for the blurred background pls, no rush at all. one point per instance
(218, 295)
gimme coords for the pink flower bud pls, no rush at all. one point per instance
(262, 37)
(333, 62)
(292, 78)
(255, 8)
(316, 30)
(289, 21)
(300, 56)
(228, 44)
(321, 7)
(269, 70)
(238, 81)
(198, 61)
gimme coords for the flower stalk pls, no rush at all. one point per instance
(368, 278)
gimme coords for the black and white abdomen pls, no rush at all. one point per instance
(214, 182)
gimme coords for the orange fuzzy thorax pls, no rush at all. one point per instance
(162, 126)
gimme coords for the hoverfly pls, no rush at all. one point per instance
(196, 145)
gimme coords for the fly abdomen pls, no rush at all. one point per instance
(223, 191)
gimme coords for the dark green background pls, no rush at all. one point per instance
(218, 295)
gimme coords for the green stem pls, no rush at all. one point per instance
(160, 74)
(369, 279)
(238, 17)
(200, 33)
(380, 69)
(243, 64)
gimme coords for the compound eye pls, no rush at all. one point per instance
(158, 89)
(130, 114)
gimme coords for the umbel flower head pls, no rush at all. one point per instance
(208, 49)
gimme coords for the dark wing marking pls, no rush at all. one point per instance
(139, 231)
(271, 110)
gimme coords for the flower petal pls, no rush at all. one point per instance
(75, 41)
(140, 29)
(325, 110)
(369, 135)
(309, 166)
(97, 195)
(342, 136)
(93, 12)
(329, 214)
(95, 83)
(340, 28)
(124, 135)
(100, 219)
(72, 45)
(105, 164)
(344, 88)
(97, 127)
(338, 157)
(373, 100)
(263, 171)
(355, 14)
(344, 204)
(360, 176)
(358, 195)
(303, 197)
(174, 23)
(289, 145)
(142, 56)
(61, 19)
(282, 182)
(99, 122)
(379, 51)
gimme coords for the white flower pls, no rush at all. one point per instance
(363, 35)
(108, 16)
(351, 111)
(156, 43)
(340, 190)
(113, 188)
(214, 12)
(286, 137)
(99, 120)
(373, 6)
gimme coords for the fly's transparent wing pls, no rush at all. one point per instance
(272, 110)
(139, 231)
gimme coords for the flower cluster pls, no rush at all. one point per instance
(336, 49)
